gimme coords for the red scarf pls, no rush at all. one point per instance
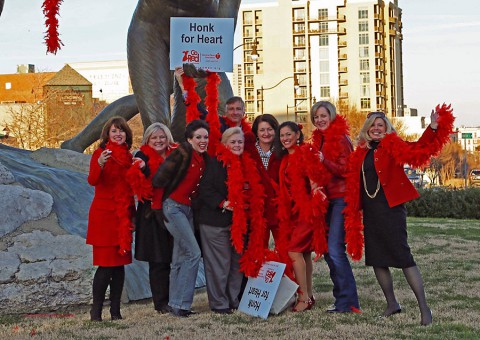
(241, 169)
(244, 124)
(397, 147)
(51, 9)
(123, 195)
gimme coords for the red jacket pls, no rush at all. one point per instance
(113, 201)
(269, 179)
(336, 187)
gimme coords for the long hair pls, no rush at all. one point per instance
(363, 138)
(332, 111)
(119, 123)
(154, 128)
(278, 147)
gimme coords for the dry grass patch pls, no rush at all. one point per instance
(446, 251)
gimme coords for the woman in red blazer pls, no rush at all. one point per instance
(110, 219)
(259, 146)
(377, 189)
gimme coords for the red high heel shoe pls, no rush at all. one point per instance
(308, 302)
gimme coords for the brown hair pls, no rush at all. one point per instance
(119, 123)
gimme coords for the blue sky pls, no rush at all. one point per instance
(441, 45)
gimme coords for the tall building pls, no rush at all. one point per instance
(349, 50)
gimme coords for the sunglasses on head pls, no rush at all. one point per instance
(378, 113)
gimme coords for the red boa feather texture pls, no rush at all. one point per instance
(211, 101)
(415, 154)
(189, 84)
(51, 9)
(240, 170)
(123, 196)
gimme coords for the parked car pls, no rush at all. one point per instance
(415, 176)
(474, 177)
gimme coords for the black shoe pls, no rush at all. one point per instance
(95, 315)
(116, 317)
(164, 309)
(222, 310)
(183, 313)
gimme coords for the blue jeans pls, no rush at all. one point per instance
(185, 256)
(344, 285)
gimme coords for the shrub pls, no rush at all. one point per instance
(446, 203)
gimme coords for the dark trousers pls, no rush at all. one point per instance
(159, 274)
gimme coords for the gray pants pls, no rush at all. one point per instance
(221, 262)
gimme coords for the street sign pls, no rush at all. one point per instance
(467, 135)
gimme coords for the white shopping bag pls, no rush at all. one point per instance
(285, 296)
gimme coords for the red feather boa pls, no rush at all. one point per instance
(242, 169)
(297, 198)
(123, 196)
(211, 101)
(50, 10)
(413, 153)
(141, 185)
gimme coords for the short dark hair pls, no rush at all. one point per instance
(193, 126)
(279, 150)
(235, 99)
(267, 118)
(119, 123)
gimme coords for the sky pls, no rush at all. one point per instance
(441, 45)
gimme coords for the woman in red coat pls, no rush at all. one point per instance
(110, 219)
(377, 189)
(259, 146)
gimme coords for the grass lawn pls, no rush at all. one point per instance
(446, 251)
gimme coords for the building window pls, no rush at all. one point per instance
(364, 77)
(249, 94)
(323, 27)
(299, 28)
(363, 38)
(363, 13)
(299, 54)
(365, 103)
(248, 68)
(247, 18)
(247, 31)
(299, 41)
(364, 65)
(258, 17)
(363, 26)
(323, 40)
(365, 90)
(363, 52)
(325, 91)
(324, 67)
(300, 66)
(248, 81)
(324, 78)
(298, 14)
(8, 86)
(323, 13)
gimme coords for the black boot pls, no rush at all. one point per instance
(116, 287)
(101, 280)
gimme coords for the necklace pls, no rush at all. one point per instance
(365, 185)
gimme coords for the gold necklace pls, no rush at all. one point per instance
(365, 184)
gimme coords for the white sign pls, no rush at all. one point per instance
(260, 291)
(205, 42)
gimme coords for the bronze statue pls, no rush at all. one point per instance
(148, 45)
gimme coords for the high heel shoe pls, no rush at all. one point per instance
(312, 299)
(308, 302)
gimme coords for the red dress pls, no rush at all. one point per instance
(109, 221)
(295, 218)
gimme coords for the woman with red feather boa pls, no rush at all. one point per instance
(296, 230)
(232, 199)
(153, 242)
(110, 224)
(377, 189)
(331, 146)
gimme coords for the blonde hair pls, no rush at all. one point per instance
(332, 111)
(230, 132)
(363, 136)
(154, 128)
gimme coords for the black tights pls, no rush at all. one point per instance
(104, 277)
(414, 279)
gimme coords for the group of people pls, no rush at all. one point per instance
(263, 182)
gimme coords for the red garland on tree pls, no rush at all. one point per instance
(50, 10)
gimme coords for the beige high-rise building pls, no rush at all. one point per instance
(319, 50)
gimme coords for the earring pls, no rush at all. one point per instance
(298, 141)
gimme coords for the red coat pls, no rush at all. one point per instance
(390, 156)
(113, 201)
(269, 179)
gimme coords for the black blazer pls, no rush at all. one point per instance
(213, 190)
